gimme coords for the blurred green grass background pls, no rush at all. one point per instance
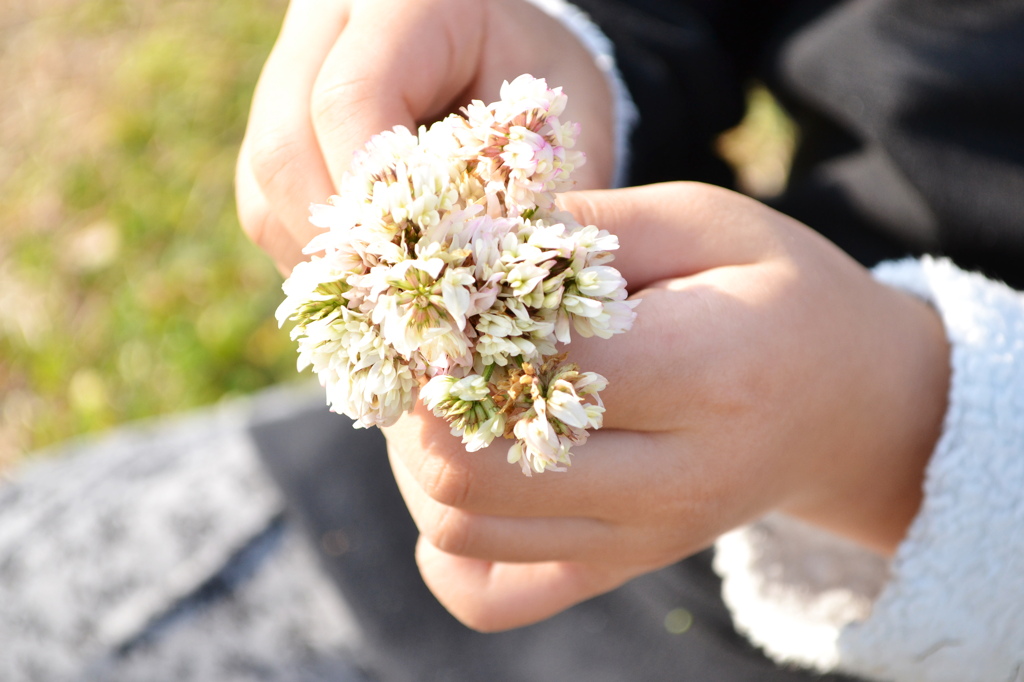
(126, 287)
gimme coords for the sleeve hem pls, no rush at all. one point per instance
(597, 43)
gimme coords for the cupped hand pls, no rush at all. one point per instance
(766, 371)
(344, 70)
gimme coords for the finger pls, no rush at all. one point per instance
(599, 484)
(510, 539)
(395, 64)
(491, 596)
(281, 145)
(676, 229)
(259, 221)
(683, 342)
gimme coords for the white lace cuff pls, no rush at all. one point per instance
(948, 606)
(625, 112)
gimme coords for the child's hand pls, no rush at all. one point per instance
(343, 71)
(766, 371)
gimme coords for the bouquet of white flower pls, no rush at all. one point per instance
(447, 271)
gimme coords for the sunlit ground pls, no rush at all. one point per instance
(126, 288)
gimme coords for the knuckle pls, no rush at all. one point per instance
(326, 101)
(331, 100)
(447, 480)
(451, 531)
(698, 192)
(582, 206)
(272, 153)
(741, 389)
(335, 105)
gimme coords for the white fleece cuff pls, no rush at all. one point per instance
(596, 42)
(950, 605)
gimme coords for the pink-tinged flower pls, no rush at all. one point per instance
(527, 152)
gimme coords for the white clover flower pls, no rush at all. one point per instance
(380, 153)
(526, 94)
(553, 238)
(614, 317)
(593, 239)
(532, 460)
(457, 288)
(472, 387)
(496, 325)
(524, 278)
(581, 306)
(467, 404)
(444, 270)
(567, 407)
(599, 281)
(520, 147)
(437, 391)
(526, 152)
(364, 379)
(484, 433)
(589, 383)
(542, 447)
(306, 286)
(379, 390)
(496, 350)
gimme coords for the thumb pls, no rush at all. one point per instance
(676, 229)
(397, 62)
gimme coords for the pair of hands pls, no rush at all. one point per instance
(766, 370)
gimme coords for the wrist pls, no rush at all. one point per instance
(958, 568)
(870, 488)
(915, 408)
